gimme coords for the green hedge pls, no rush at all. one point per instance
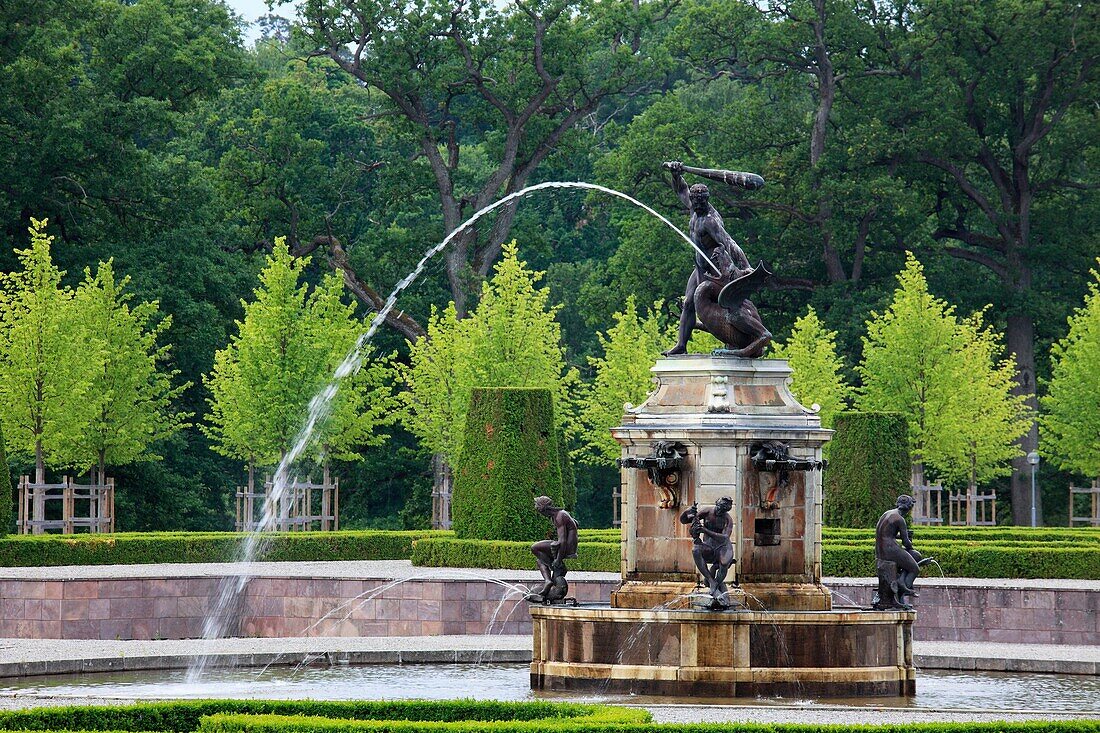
(509, 456)
(455, 553)
(1081, 535)
(868, 467)
(855, 559)
(599, 718)
(186, 716)
(460, 716)
(963, 560)
(173, 547)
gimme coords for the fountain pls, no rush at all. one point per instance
(722, 430)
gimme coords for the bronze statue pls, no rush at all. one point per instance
(718, 302)
(897, 565)
(711, 529)
(550, 555)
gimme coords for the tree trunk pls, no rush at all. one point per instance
(1020, 337)
(442, 482)
(39, 464)
(101, 479)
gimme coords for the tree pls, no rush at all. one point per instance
(5, 489)
(133, 399)
(988, 417)
(621, 375)
(286, 350)
(822, 69)
(911, 366)
(1071, 406)
(1004, 109)
(510, 340)
(489, 92)
(816, 369)
(45, 394)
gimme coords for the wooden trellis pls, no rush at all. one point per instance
(928, 508)
(974, 508)
(304, 506)
(67, 507)
(1091, 519)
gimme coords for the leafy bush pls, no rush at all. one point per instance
(454, 553)
(172, 547)
(868, 469)
(509, 456)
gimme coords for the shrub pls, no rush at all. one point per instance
(187, 716)
(509, 456)
(869, 468)
(170, 547)
(5, 489)
(454, 553)
(460, 716)
(974, 561)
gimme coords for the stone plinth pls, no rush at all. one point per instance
(718, 410)
(723, 654)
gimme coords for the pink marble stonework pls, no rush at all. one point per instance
(174, 608)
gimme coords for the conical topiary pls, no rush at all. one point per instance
(868, 468)
(509, 456)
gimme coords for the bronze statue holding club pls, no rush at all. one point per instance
(716, 298)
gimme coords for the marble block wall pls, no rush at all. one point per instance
(1061, 612)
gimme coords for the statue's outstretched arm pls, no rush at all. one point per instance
(679, 185)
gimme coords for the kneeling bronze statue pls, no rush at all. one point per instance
(897, 565)
(550, 555)
(711, 528)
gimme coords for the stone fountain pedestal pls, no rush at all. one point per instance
(694, 439)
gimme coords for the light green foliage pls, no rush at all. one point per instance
(987, 419)
(6, 504)
(910, 363)
(132, 398)
(510, 340)
(816, 369)
(45, 394)
(1071, 407)
(286, 349)
(949, 380)
(621, 375)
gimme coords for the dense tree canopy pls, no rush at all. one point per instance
(365, 131)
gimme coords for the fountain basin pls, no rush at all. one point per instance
(690, 653)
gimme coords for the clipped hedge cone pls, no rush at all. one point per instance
(509, 456)
(868, 467)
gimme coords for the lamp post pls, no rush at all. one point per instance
(1033, 459)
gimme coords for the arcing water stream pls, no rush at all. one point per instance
(320, 406)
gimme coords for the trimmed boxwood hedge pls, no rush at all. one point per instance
(461, 716)
(455, 553)
(509, 456)
(852, 559)
(186, 715)
(174, 547)
(868, 467)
